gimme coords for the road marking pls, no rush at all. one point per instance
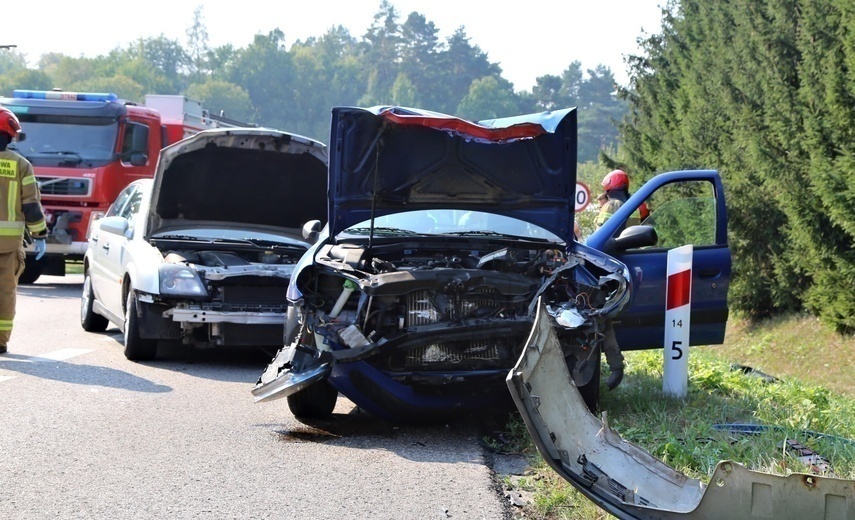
(60, 355)
(6, 378)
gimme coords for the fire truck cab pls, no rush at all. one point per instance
(85, 148)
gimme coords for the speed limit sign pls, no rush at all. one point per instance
(583, 196)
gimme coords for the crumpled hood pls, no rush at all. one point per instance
(241, 177)
(393, 159)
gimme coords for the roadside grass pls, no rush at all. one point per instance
(796, 345)
(800, 405)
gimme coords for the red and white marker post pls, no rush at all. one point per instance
(678, 305)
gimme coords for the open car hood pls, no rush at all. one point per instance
(242, 177)
(390, 159)
(627, 481)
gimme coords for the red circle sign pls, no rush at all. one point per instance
(583, 197)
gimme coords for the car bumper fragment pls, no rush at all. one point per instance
(292, 369)
(629, 482)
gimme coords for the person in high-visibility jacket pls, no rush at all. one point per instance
(20, 211)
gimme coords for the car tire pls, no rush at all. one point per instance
(316, 401)
(136, 348)
(32, 270)
(89, 319)
(591, 391)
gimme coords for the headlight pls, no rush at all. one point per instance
(180, 280)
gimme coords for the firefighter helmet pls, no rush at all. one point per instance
(9, 123)
(616, 180)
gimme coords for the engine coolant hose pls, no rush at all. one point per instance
(347, 290)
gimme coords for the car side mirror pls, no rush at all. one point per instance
(115, 225)
(636, 236)
(311, 229)
(138, 159)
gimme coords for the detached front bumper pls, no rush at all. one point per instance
(629, 482)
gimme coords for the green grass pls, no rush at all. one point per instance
(73, 267)
(818, 398)
(794, 346)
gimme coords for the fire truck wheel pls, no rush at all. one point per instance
(89, 319)
(316, 401)
(136, 348)
(32, 271)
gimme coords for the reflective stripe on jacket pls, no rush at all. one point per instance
(610, 208)
(20, 202)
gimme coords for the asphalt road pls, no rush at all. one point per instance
(85, 433)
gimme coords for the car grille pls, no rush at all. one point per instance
(489, 351)
(452, 353)
(250, 298)
(421, 308)
(238, 295)
(68, 186)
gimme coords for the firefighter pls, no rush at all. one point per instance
(21, 215)
(616, 186)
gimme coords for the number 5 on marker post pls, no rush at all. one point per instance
(675, 378)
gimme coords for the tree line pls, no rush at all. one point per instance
(763, 91)
(293, 88)
(757, 89)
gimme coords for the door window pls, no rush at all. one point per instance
(683, 213)
(135, 140)
(120, 202)
(132, 208)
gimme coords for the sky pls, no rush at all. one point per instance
(528, 39)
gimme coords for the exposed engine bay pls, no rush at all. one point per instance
(244, 297)
(412, 312)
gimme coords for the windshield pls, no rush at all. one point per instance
(451, 222)
(54, 139)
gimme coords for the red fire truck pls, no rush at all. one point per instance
(86, 147)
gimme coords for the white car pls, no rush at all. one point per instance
(203, 253)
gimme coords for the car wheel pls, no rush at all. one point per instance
(32, 270)
(89, 319)
(316, 401)
(591, 391)
(136, 348)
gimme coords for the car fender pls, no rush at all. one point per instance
(143, 261)
(295, 294)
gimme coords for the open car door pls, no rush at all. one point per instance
(686, 207)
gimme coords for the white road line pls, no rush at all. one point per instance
(60, 355)
(6, 378)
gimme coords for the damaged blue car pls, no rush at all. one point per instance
(443, 234)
